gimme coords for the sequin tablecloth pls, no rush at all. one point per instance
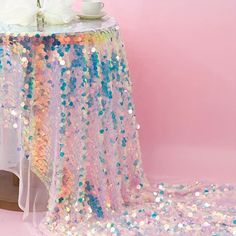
(68, 130)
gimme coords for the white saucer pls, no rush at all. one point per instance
(91, 17)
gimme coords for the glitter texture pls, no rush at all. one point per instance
(74, 111)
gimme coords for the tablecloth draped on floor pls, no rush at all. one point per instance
(68, 130)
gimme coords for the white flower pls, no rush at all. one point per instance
(23, 12)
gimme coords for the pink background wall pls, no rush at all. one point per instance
(182, 56)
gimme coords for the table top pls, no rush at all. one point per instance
(76, 26)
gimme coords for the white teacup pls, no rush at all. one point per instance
(92, 7)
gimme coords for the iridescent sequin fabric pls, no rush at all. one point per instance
(67, 95)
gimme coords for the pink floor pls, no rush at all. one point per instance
(11, 224)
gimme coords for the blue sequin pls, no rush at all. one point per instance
(95, 205)
(113, 115)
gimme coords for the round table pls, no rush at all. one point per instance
(68, 130)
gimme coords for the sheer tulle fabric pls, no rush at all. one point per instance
(68, 130)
